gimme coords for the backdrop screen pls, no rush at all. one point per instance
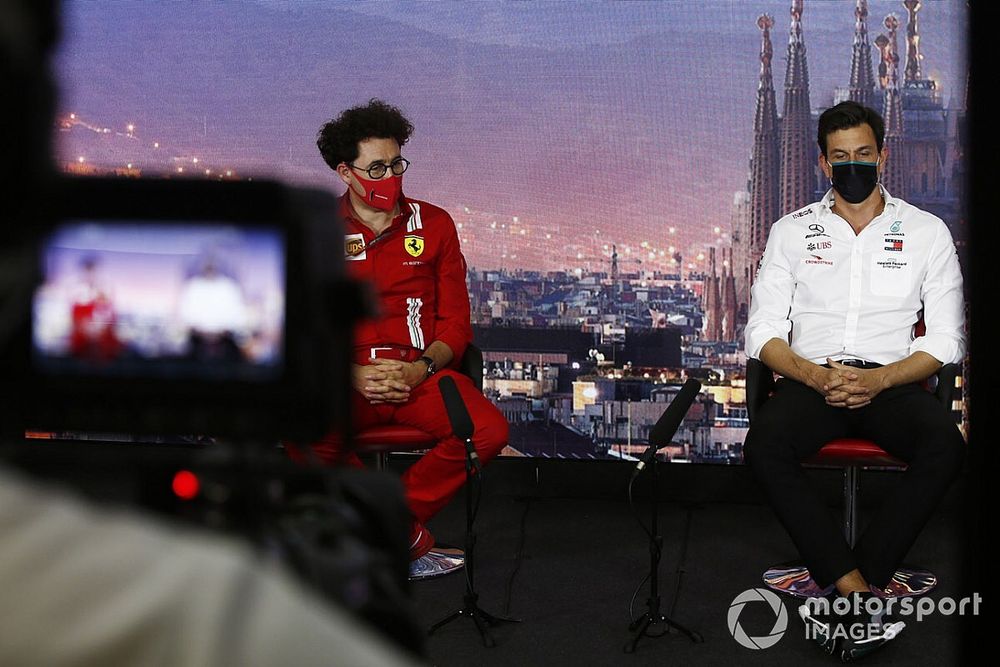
(613, 168)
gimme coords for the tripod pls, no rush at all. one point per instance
(470, 607)
(653, 616)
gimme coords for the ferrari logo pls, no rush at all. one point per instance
(414, 245)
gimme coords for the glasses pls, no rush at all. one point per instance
(378, 170)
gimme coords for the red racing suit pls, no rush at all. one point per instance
(416, 270)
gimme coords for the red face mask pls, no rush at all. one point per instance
(383, 193)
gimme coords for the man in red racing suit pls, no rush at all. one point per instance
(408, 252)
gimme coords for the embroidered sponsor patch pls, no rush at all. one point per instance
(890, 264)
(354, 247)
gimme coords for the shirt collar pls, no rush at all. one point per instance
(827, 202)
(349, 215)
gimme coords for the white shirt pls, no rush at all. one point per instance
(213, 304)
(832, 293)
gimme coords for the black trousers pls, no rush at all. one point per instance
(906, 421)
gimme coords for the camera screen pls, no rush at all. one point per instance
(143, 299)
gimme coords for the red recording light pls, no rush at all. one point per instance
(186, 484)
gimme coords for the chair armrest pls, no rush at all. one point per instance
(472, 365)
(760, 384)
(944, 389)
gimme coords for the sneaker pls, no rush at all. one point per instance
(820, 621)
(421, 540)
(438, 561)
(867, 632)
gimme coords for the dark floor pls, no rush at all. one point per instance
(560, 549)
(582, 557)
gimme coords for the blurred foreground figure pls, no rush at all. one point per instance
(83, 585)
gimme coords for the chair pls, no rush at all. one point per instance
(851, 455)
(384, 439)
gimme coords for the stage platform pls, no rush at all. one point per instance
(561, 550)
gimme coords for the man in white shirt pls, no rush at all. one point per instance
(839, 290)
(213, 311)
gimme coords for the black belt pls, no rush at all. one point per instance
(856, 363)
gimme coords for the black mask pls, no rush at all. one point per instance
(854, 181)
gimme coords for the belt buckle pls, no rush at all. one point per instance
(374, 350)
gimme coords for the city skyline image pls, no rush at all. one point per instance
(591, 136)
(613, 168)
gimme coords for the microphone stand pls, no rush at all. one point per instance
(653, 616)
(470, 601)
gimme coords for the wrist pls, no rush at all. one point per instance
(429, 364)
(815, 376)
(884, 377)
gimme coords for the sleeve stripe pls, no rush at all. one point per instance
(413, 306)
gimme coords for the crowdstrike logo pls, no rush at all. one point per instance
(780, 622)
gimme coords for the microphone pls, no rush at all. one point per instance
(458, 415)
(668, 423)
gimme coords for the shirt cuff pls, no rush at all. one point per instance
(945, 348)
(757, 339)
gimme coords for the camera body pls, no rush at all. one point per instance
(182, 306)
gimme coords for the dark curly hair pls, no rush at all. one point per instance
(846, 115)
(338, 139)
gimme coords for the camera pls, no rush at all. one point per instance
(181, 306)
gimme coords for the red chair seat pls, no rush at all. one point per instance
(393, 438)
(853, 452)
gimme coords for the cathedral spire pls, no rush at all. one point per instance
(894, 173)
(796, 122)
(862, 80)
(727, 290)
(913, 57)
(764, 160)
(712, 326)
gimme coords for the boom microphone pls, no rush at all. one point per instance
(668, 423)
(458, 415)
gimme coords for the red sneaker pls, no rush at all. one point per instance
(421, 540)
